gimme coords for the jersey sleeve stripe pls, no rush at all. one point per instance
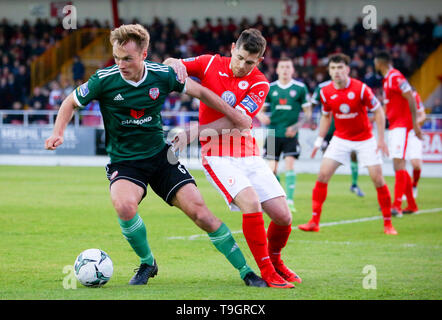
(322, 95)
(76, 99)
(108, 74)
(362, 91)
(262, 82)
(208, 65)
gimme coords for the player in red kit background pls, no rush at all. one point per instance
(401, 113)
(347, 99)
(232, 163)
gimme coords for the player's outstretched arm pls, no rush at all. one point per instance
(64, 115)
(240, 121)
(324, 125)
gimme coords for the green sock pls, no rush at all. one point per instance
(223, 240)
(290, 182)
(354, 173)
(277, 177)
(135, 233)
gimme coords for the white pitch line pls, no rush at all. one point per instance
(326, 224)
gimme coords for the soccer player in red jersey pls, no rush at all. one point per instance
(401, 112)
(347, 100)
(414, 150)
(232, 162)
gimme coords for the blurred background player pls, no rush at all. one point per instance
(315, 100)
(414, 151)
(401, 112)
(347, 99)
(286, 98)
(231, 161)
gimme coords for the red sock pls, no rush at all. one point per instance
(318, 198)
(256, 237)
(278, 236)
(399, 187)
(409, 192)
(384, 200)
(416, 177)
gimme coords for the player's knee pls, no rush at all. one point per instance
(284, 219)
(126, 209)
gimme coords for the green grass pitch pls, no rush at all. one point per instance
(48, 215)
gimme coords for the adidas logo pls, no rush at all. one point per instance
(118, 97)
(235, 246)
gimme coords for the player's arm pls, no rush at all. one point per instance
(239, 120)
(324, 125)
(64, 116)
(413, 109)
(421, 116)
(379, 118)
(292, 130)
(262, 117)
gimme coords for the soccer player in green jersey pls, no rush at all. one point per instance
(285, 100)
(131, 94)
(315, 100)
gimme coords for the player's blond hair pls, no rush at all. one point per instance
(130, 32)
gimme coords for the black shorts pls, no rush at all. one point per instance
(288, 146)
(165, 177)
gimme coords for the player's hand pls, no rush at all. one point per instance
(315, 149)
(418, 132)
(383, 147)
(179, 69)
(290, 132)
(53, 142)
(241, 120)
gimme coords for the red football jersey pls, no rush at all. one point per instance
(397, 108)
(247, 94)
(349, 108)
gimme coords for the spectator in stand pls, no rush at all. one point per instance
(37, 118)
(437, 31)
(55, 96)
(15, 118)
(78, 69)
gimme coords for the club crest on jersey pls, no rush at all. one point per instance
(344, 108)
(137, 114)
(229, 97)
(154, 93)
(249, 104)
(243, 84)
(351, 95)
(292, 93)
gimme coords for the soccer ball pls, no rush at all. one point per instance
(93, 267)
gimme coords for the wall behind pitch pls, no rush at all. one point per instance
(184, 11)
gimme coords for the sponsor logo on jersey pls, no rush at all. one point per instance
(344, 108)
(243, 84)
(262, 93)
(282, 101)
(334, 96)
(137, 121)
(231, 181)
(351, 95)
(249, 104)
(137, 114)
(229, 97)
(154, 93)
(83, 90)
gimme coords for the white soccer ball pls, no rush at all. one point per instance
(93, 267)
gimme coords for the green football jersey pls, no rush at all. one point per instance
(285, 102)
(316, 99)
(131, 111)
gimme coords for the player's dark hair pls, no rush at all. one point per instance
(338, 58)
(252, 41)
(383, 56)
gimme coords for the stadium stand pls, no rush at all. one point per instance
(409, 41)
